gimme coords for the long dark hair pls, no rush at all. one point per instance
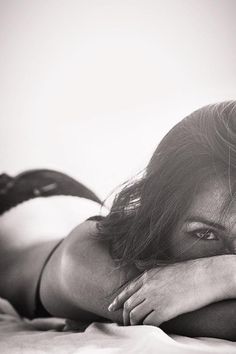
(147, 210)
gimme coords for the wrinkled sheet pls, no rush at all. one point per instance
(19, 335)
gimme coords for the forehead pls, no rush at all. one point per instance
(211, 200)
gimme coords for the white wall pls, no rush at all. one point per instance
(90, 87)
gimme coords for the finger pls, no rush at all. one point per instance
(125, 294)
(152, 319)
(129, 305)
(138, 313)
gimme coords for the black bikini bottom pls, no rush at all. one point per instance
(39, 183)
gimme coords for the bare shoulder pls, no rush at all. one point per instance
(84, 240)
(86, 252)
(85, 231)
(73, 275)
(86, 277)
(83, 249)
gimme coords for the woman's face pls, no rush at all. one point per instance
(205, 230)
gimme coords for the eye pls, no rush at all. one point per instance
(205, 234)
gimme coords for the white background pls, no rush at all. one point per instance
(90, 87)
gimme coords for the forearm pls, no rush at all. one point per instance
(216, 320)
(213, 279)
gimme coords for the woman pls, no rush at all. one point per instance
(173, 228)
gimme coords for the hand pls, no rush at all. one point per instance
(163, 293)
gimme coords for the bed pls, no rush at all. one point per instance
(53, 335)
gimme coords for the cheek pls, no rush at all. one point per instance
(182, 247)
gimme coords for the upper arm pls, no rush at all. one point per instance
(81, 278)
(215, 320)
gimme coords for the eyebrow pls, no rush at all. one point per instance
(205, 221)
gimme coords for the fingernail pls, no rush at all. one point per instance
(111, 307)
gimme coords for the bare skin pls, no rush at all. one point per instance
(216, 320)
(87, 281)
(81, 280)
(202, 232)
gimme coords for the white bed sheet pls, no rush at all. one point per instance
(47, 336)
